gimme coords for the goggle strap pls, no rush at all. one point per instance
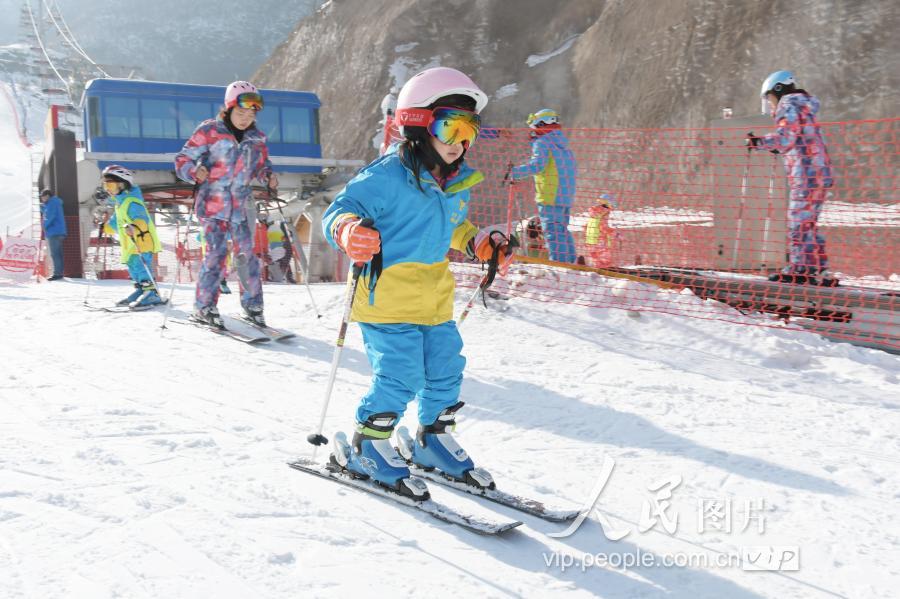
(413, 117)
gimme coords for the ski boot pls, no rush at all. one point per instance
(149, 296)
(138, 290)
(828, 279)
(793, 278)
(254, 315)
(434, 448)
(371, 455)
(223, 287)
(209, 316)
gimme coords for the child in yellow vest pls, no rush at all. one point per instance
(137, 234)
(599, 236)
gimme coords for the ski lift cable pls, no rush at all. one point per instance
(74, 41)
(46, 55)
(66, 27)
(70, 39)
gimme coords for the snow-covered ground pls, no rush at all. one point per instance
(135, 464)
(15, 168)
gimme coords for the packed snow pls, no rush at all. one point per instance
(510, 89)
(141, 464)
(15, 169)
(535, 59)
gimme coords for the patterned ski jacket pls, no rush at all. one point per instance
(799, 139)
(226, 193)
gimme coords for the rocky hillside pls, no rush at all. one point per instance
(618, 63)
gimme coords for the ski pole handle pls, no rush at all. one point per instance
(367, 223)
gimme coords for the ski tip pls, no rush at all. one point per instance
(508, 526)
(560, 515)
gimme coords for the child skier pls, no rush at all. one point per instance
(223, 156)
(808, 167)
(599, 237)
(417, 194)
(137, 234)
(554, 168)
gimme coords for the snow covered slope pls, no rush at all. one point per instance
(134, 464)
(15, 190)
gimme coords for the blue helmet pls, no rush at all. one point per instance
(542, 118)
(778, 83)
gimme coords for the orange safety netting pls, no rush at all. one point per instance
(658, 211)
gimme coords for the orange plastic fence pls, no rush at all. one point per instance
(697, 209)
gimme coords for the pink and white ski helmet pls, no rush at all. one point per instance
(235, 89)
(429, 85)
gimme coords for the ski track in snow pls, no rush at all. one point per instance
(139, 465)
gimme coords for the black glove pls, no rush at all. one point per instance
(507, 178)
(752, 141)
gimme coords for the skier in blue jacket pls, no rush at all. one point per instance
(554, 169)
(54, 223)
(417, 194)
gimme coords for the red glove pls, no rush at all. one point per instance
(486, 241)
(358, 242)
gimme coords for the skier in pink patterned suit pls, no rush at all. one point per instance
(222, 157)
(808, 167)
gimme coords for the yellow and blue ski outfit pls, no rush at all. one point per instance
(131, 210)
(554, 169)
(406, 311)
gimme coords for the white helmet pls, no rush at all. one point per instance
(119, 172)
(778, 83)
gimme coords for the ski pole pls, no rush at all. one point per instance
(488, 278)
(87, 294)
(301, 255)
(471, 302)
(187, 230)
(737, 238)
(318, 438)
(765, 246)
(510, 197)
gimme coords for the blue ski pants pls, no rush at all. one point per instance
(56, 253)
(555, 223)
(412, 361)
(136, 267)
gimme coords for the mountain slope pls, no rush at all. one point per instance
(602, 64)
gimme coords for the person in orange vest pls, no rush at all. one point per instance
(599, 236)
(261, 242)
